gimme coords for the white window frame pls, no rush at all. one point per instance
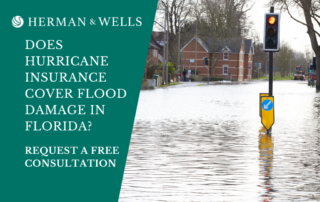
(155, 52)
(241, 56)
(240, 71)
(227, 54)
(227, 66)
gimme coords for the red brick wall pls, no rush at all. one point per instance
(248, 60)
(234, 63)
(190, 53)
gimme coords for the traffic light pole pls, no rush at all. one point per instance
(270, 73)
(205, 62)
(271, 44)
(271, 65)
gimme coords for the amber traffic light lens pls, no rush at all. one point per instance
(272, 20)
(271, 31)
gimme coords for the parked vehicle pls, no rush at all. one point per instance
(299, 76)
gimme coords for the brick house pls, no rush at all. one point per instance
(154, 56)
(234, 62)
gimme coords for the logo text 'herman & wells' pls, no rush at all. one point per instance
(82, 21)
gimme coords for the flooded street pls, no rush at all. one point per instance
(207, 143)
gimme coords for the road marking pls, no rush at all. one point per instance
(266, 106)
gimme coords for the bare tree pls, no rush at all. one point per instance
(283, 59)
(220, 21)
(260, 56)
(310, 9)
(178, 12)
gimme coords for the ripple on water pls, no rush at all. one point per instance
(207, 144)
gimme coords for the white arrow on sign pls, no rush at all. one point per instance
(266, 106)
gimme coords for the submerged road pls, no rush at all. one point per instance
(206, 143)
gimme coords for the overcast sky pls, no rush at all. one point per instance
(291, 31)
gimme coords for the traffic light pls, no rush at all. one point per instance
(205, 61)
(271, 32)
(314, 65)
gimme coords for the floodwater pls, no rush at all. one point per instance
(206, 143)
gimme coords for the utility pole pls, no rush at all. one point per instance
(195, 71)
(178, 51)
(164, 46)
(167, 79)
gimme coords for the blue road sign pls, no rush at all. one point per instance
(267, 105)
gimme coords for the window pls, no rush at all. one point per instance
(225, 70)
(225, 56)
(250, 57)
(240, 71)
(155, 53)
(241, 55)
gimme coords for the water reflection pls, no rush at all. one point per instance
(266, 160)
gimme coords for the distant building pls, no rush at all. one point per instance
(154, 56)
(235, 60)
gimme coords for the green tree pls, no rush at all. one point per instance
(171, 68)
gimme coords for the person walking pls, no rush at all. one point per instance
(184, 74)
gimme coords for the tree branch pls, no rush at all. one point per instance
(287, 8)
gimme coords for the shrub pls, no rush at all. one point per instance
(191, 78)
(150, 69)
(194, 72)
(195, 78)
(212, 79)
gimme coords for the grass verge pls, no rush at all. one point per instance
(171, 84)
(277, 78)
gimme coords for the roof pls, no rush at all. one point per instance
(233, 45)
(247, 45)
(157, 36)
(153, 46)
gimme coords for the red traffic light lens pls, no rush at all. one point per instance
(272, 20)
